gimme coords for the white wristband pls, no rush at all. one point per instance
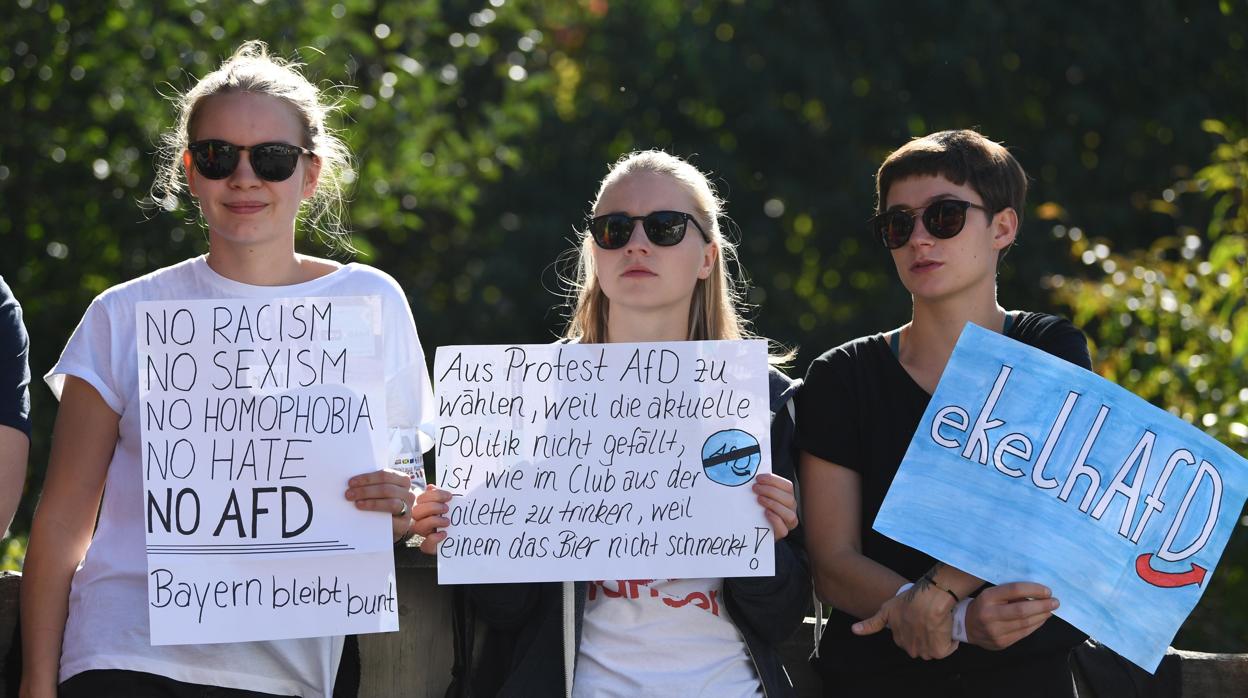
(903, 588)
(959, 620)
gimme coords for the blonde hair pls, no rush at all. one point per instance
(253, 70)
(714, 310)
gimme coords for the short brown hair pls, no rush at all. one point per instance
(962, 157)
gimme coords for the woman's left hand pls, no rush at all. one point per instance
(779, 505)
(388, 491)
(920, 619)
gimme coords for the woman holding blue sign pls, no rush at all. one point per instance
(253, 146)
(949, 207)
(653, 267)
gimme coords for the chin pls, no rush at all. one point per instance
(244, 236)
(927, 289)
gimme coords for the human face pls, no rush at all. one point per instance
(242, 208)
(642, 276)
(934, 269)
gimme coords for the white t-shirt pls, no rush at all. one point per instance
(669, 637)
(107, 626)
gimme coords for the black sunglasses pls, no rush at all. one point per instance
(274, 162)
(664, 228)
(943, 219)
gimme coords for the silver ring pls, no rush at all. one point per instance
(402, 512)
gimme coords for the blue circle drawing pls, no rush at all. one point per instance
(731, 457)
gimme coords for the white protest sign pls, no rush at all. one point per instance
(603, 461)
(254, 414)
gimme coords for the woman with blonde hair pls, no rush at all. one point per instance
(252, 147)
(653, 266)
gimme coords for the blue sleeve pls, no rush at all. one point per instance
(14, 364)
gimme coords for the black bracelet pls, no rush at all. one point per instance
(931, 580)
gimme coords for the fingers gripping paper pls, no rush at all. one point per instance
(603, 461)
(254, 414)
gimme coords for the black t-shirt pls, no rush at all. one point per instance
(14, 369)
(859, 409)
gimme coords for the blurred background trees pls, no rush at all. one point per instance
(482, 127)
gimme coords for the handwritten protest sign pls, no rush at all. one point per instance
(254, 413)
(1027, 468)
(603, 461)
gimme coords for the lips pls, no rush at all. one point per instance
(637, 271)
(245, 207)
(923, 265)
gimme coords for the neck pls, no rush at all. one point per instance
(664, 325)
(272, 264)
(936, 325)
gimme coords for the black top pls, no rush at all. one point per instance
(859, 409)
(14, 369)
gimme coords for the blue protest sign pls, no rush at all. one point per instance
(1028, 468)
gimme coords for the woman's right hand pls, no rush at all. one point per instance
(1003, 615)
(429, 515)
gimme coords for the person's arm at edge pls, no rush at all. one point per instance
(83, 441)
(14, 451)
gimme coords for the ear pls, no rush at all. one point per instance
(191, 175)
(311, 176)
(710, 254)
(1004, 228)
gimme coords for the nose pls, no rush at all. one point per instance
(638, 241)
(920, 235)
(243, 176)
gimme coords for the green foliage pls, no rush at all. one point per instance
(1170, 323)
(13, 554)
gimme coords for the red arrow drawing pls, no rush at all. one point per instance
(1168, 580)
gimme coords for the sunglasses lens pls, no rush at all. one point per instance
(611, 232)
(944, 219)
(665, 228)
(274, 162)
(214, 159)
(894, 228)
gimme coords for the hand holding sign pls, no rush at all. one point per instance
(429, 517)
(779, 503)
(1003, 615)
(384, 490)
